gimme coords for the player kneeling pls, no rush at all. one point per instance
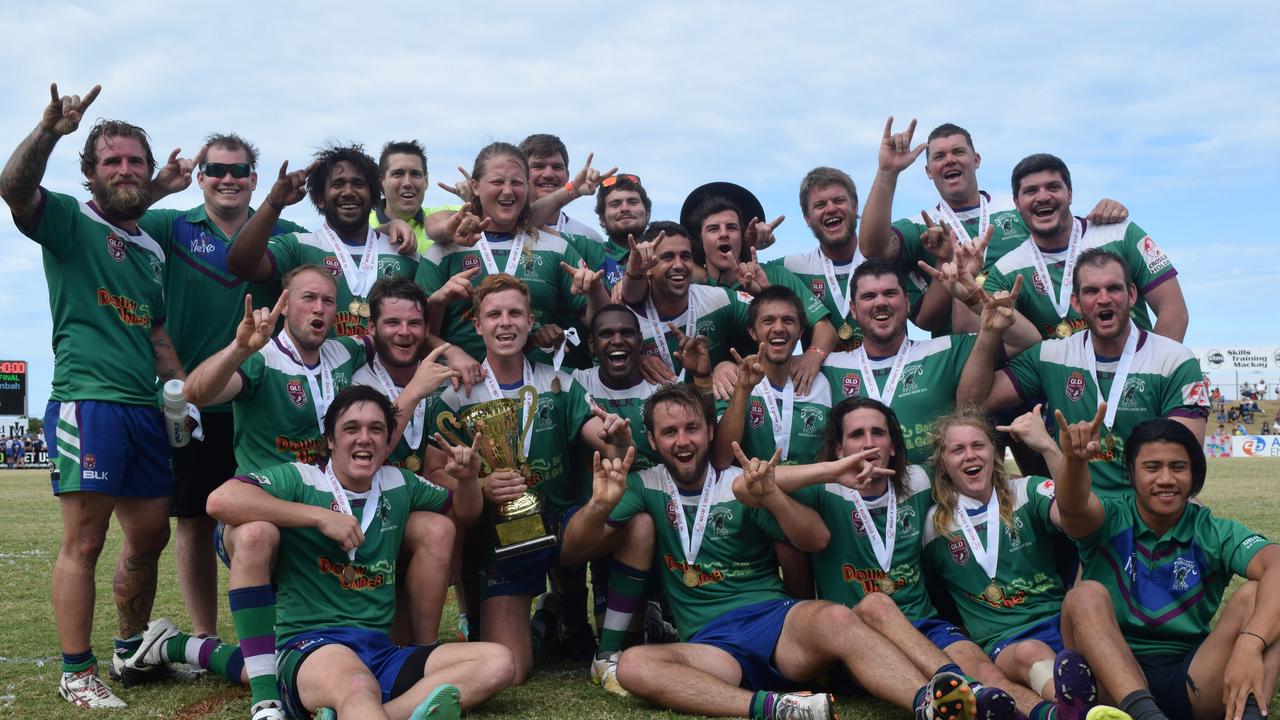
(336, 578)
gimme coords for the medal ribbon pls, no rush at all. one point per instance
(895, 373)
(957, 227)
(495, 390)
(344, 504)
(691, 538)
(989, 557)
(513, 260)
(781, 419)
(359, 280)
(660, 332)
(322, 391)
(1122, 372)
(883, 549)
(570, 338)
(843, 297)
(413, 428)
(1062, 301)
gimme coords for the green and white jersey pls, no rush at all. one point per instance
(805, 420)
(777, 274)
(550, 288)
(628, 404)
(925, 391)
(1164, 380)
(1149, 264)
(1166, 589)
(810, 269)
(735, 565)
(559, 414)
(277, 418)
(106, 293)
(292, 250)
(848, 569)
(205, 300)
(318, 585)
(1026, 589)
(718, 314)
(416, 430)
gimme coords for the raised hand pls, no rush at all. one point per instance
(583, 278)
(692, 352)
(465, 228)
(750, 368)
(257, 327)
(290, 187)
(614, 430)
(998, 313)
(588, 178)
(723, 379)
(549, 336)
(643, 256)
(896, 153)
(401, 236)
(1028, 428)
(961, 285)
(470, 371)
(971, 257)
(175, 175)
(609, 477)
(858, 470)
(63, 114)
(752, 276)
(462, 188)
(939, 240)
(654, 370)
(759, 235)
(1107, 211)
(758, 473)
(464, 461)
(430, 374)
(457, 288)
(1082, 440)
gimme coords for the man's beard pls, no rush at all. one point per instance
(699, 469)
(353, 228)
(618, 234)
(383, 350)
(125, 202)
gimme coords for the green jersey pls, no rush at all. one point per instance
(802, 417)
(814, 309)
(1149, 264)
(718, 314)
(106, 293)
(280, 409)
(1166, 589)
(1164, 380)
(734, 566)
(603, 255)
(560, 412)
(828, 282)
(1026, 588)
(204, 299)
(354, 272)
(318, 585)
(848, 569)
(627, 403)
(924, 390)
(550, 288)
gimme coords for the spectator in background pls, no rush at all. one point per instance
(1222, 429)
(1241, 430)
(1265, 429)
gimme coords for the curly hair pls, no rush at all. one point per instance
(105, 130)
(329, 157)
(945, 495)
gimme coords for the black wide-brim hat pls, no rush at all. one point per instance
(748, 204)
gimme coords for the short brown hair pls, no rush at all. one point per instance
(494, 284)
(287, 280)
(822, 177)
(682, 395)
(112, 129)
(232, 141)
(544, 145)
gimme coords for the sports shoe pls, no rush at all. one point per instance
(1106, 712)
(85, 689)
(444, 703)
(656, 629)
(804, 706)
(268, 710)
(604, 672)
(325, 713)
(146, 664)
(578, 644)
(992, 703)
(1074, 688)
(949, 697)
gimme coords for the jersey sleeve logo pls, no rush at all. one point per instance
(1195, 394)
(1075, 386)
(1046, 488)
(115, 247)
(296, 393)
(1152, 254)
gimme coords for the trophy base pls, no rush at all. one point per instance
(522, 535)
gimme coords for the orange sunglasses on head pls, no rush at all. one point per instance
(612, 179)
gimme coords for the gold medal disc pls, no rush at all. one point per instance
(1064, 329)
(354, 307)
(364, 310)
(981, 280)
(691, 578)
(993, 593)
(887, 585)
(412, 463)
(348, 574)
(845, 331)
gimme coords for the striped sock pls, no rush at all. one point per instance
(76, 662)
(626, 590)
(209, 653)
(762, 705)
(1044, 710)
(253, 610)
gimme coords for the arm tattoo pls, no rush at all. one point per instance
(24, 171)
(168, 366)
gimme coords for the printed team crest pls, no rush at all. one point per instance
(719, 520)
(671, 514)
(818, 287)
(88, 461)
(1183, 570)
(1132, 388)
(755, 414)
(470, 261)
(851, 385)
(707, 327)
(296, 393)
(332, 265)
(906, 520)
(1196, 394)
(543, 413)
(1131, 568)
(1046, 488)
(858, 528)
(387, 267)
(1038, 285)
(810, 421)
(1155, 258)
(910, 375)
(115, 247)
(1075, 386)
(959, 550)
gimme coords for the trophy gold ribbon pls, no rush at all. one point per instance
(519, 526)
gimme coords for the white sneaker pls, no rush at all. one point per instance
(147, 663)
(804, 706)
(85, 689)
(604, 672)
(268, 710)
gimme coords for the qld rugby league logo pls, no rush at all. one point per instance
(470, 261)
(671, 514)
(959, 549)
(332, 265)
(755, 415)
(858, 528)
(1038, 284)
(818, 287)
(296, 393)
(1075, 386)
(115, 247)
(851, 385)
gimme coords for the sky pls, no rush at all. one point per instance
(1176, 114)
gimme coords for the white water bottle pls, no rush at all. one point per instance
(175, 413)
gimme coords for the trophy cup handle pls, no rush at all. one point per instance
(449, 427)
(528, 420)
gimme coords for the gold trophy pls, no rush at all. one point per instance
(519, 526)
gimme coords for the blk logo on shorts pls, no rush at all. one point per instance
(115, 247)
(1075, 386)
(296, 393)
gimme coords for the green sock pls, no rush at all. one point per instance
(626, 596)
(209, 653)
(253, 611)
(762, 705)
(1044, 710)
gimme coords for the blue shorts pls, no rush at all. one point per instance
(939, 632)
(108, 448)
(1047, 631)
(396, 668)
(1167, 677)
(520, 574)
(750, 634)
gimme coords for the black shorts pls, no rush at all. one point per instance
(1167, 676)
(201, 466)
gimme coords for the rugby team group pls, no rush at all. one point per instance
(771, 492)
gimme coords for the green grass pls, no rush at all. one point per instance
(29, 531)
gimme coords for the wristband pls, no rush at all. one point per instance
(1264, 640)
(278, 208)
(974, 298)
(815, 349)
(568, 187)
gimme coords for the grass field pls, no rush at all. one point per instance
(29, 530)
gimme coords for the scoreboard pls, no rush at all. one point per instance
(13, 387)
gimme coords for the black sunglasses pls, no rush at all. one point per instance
(237, 170)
